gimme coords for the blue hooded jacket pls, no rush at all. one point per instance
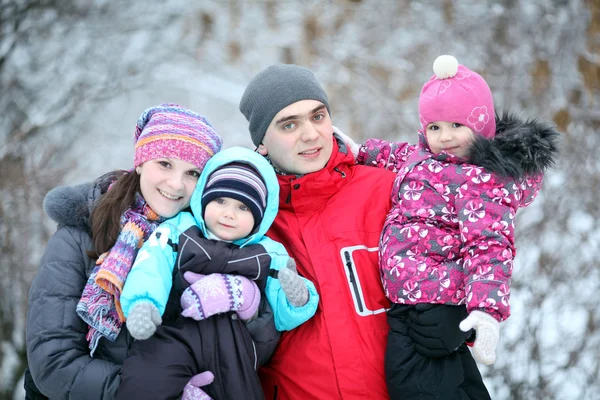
(150, 278)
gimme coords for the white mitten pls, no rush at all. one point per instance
(486, 337)
(354, 148)
(142, 320)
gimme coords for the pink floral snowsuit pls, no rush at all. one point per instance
(449, 237)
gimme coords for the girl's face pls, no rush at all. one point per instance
(228, 219)
(450, 137)
(167, 184)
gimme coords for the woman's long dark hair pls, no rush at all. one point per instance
(106, 215)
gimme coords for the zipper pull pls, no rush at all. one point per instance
(336, 169)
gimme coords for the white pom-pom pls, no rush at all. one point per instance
(445, 67)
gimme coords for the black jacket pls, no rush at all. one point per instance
(57, 349)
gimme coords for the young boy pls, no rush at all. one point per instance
(234, 204)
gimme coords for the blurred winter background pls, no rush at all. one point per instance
(76, 74)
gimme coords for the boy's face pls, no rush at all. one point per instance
(451, 137)
(299, 138)
(228, 219)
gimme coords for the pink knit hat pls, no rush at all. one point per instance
(457, 94)
(171, 131)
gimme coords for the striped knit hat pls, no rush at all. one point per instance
(241, 182)
(172, 131)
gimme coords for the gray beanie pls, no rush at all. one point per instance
(272, 90)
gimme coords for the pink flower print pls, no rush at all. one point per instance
(396, 269)
(458, 297)
(462, 190)
(409, 231)
(460, 75)
(413, 190)
(421, 266)
(435, 166)
(487, 303)
(425, 213)
(446, 242)
(383, 157)
(504, 294)
(444, 85)
(506, 254)
(401, 153)
(413, 253)
(484, 272)
(479, 118)
(501, 227)
(482, 177)
(441, 275)
(472, 170)
(474, 210)
(499, 195)
(449, 214)
(412, 290)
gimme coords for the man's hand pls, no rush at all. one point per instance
(488, 334)
(434, 329)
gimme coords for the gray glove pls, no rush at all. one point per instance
(293, 285)
(142, 320)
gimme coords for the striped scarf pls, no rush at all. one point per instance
(99, 305)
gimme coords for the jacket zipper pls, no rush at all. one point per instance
(353, 280)
(336, 169)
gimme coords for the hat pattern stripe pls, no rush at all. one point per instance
(251, 179)
(172, 131)
(179, 138)
(235, 192)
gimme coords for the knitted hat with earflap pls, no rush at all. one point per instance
(172, 131)
(457, 94)
(241, 182)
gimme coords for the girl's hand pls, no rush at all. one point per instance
(488, 334)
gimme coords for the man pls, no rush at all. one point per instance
(331, 213)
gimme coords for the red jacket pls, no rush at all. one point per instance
(330, 221)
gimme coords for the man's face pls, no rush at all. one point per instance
(299, 138)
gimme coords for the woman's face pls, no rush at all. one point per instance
(167, 184)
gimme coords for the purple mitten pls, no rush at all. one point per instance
(192, 390)
(219, 293)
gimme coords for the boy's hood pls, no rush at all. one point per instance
(240, 154)
(520, 147)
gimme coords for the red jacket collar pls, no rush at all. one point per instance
(312, 191)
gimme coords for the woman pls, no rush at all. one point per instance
(76, 341)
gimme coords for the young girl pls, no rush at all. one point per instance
(70, 357)
(234, 204)
(448, 240)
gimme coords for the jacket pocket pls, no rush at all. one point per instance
(363, 279)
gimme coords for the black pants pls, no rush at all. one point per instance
(159, 368)
(410, 375)
(31, 390)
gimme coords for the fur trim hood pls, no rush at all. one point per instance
(520, 147)
(72, 205)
